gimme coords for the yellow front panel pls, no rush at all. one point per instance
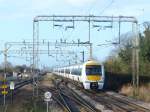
(93, 77)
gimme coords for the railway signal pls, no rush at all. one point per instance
(12, 87)
(4, 91)
(4, 86)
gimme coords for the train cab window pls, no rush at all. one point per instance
(93, 70)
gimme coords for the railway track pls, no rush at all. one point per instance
(82, 102)
(65, 95)
(58, 96)
(111, 102)
(67, 102)
(78, 99)
(67, 99)
(130, 106)
(114, 103)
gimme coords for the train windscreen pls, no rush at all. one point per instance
(93, 70)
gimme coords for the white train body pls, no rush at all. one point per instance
(90, 74)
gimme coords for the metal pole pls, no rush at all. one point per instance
(76, 58)
(4, 99)
(137, 58)
(89, 30)
(82, 56)
(119, 30)
(33, 55)
(47, 106)
(5, 62)
(90, 38)
(11, 96)
(5, 59)
(90, 50)
(133, 64)
(37, 56)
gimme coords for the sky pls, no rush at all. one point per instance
(16, 18)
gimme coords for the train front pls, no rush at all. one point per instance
(94, 75)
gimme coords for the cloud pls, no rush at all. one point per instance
(80, 2)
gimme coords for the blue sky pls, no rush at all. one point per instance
(16, 18)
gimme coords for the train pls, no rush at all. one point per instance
(90, 74)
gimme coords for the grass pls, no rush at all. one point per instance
(39, 106)
(144, 92)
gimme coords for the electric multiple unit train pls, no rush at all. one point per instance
(90, 74)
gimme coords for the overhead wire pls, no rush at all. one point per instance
(92, 6)
(102, 11)
(106, 7)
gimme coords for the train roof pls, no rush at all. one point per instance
(92, 62)
(89, 62)
(72, 65)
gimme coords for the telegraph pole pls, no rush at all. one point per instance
(135, 60)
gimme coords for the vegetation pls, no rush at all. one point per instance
(120, 61)
(10, 69)
(143, 92)
(118, 66)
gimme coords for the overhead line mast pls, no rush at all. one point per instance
(89, 19)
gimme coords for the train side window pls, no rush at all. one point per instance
(68, 71)
(76, 71)
(62, 71)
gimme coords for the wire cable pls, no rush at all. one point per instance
(107, 6)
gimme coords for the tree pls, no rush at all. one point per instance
(124, 53)
(144, 43)
(9, 66)
(145, 50)
(19, 68)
